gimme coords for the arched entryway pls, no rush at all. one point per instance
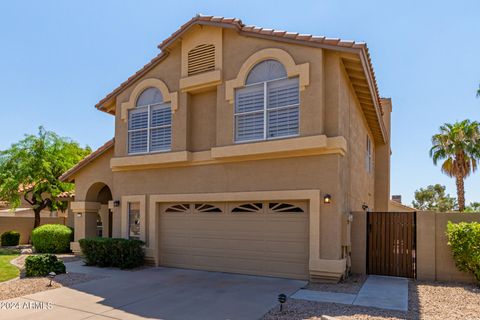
(101, 224)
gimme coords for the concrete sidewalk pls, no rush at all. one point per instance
(378, 291)
(157, 293)
(384, 293)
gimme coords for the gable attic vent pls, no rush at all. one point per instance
(201, 59)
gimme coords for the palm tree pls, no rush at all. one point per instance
(459, 145)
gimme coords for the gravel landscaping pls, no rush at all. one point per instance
(427, 300)
(23, 286)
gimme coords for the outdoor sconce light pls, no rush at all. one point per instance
(282, 298)
(51, 275)
(364, 207)
(116, 203)
(79, 214)
(327, 199)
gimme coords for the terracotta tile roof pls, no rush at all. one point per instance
(237, 24)
(92, 156)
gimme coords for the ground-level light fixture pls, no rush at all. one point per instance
(282, 298)
(51, 276)
(116, 203)
(327, 199)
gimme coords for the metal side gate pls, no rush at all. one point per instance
(391, 243)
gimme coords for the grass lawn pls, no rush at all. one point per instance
(7, 270)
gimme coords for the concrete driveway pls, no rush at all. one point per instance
(158, 293)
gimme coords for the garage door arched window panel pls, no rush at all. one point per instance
(267, 107)
(179, 208)
(150, 124)
(283, 207)
(256, 207)
(207, 208)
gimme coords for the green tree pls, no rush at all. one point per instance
(458, 145)
(473, 207)
(31, 167)
(433, 198)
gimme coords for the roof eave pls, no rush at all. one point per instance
(70, 173)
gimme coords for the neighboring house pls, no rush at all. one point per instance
(22, 219)
(396, 205)
(241, 149)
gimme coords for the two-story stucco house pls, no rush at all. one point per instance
(241, 149)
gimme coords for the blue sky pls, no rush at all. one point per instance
(58, 58)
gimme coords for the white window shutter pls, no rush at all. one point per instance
(249, 113)
(283, 108)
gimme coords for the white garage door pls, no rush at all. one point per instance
(260, 238)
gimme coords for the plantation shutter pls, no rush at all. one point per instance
(138, 130)
(282, 108)
(161, 129)
(249, 113)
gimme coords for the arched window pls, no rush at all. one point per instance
(150, 124)
(267, 107)
(266, 71)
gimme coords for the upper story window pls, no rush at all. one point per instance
(150, 124)
(368, 155)
(268, 106)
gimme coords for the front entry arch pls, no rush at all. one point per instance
(94, 218)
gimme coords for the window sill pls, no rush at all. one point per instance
(146, 160)
(291, 146)
(269, 149)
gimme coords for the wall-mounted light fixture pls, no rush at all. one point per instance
(79, 214)
(364, 206)
(327, 199)
(116, 203)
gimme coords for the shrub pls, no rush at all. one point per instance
(464, 239)
(52, 238)
(113, 252)
(41, 265)
(10, 238)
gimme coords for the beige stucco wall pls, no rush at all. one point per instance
(382, 162)
(358, 182)
(24, 225)
(98, 171)
(236, 49)
(319, 172)
(204, 120)
(359, 242)
(434, 257)
(202, 109)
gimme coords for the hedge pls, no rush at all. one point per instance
(464, 240)
(41, 265)
(52, 238)
(113, 252)
(10, 238)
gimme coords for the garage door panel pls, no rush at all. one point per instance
(290, 247)
(286, 267)
(261, 243)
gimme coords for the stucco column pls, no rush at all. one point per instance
(104, 213)
(426, 248)
(85, 219)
